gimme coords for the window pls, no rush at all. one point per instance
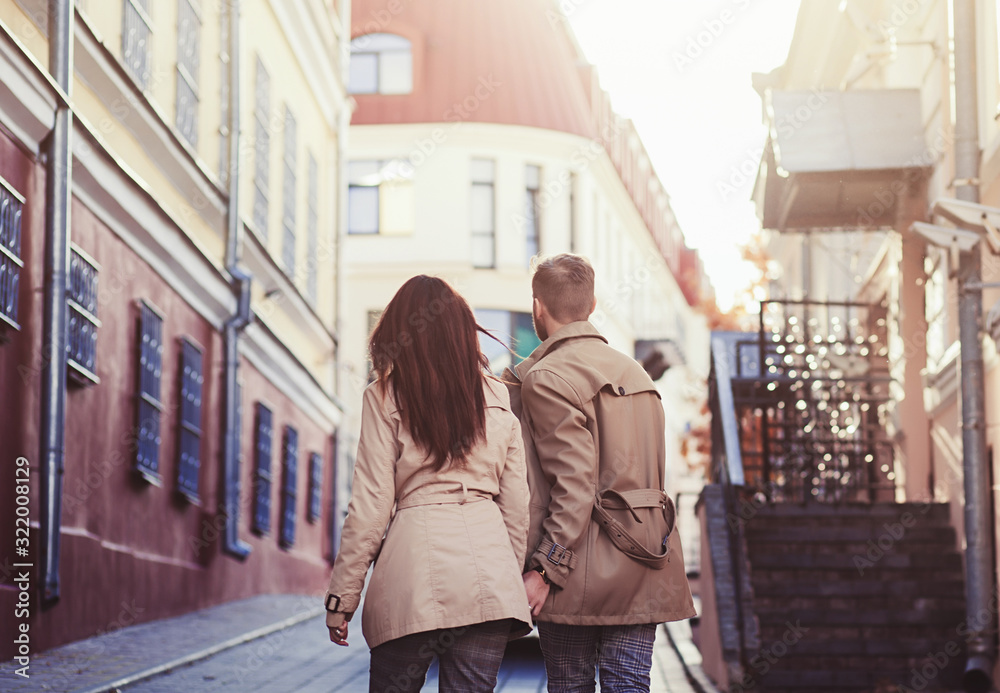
(189, 444)
(515, 332)
(380, 198)
(936, 306)
(483, 215)
(290, 452)
(381, 64)
(81, 335)
(262, 472)
(531, 211)
(315, 486)
(147, 460)
(288, 196)
(136, 35)
(262, 149)
(188, 61)
(11, 204)
(312, 232)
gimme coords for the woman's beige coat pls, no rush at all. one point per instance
(456, 539)
(593, 421)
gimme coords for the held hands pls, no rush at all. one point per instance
(537, 589)
(337, 623)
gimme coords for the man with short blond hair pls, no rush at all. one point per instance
(604, 560)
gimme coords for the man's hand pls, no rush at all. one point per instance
(537, 589)
(337, 623)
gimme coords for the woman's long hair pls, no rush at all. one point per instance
(426, 347)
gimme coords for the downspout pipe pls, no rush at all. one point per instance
(58, 186)
(240, 282)
(979, 581)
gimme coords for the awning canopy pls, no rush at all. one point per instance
(839, 159)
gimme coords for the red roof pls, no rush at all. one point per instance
(511, 62)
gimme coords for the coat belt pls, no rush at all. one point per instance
(441, 498)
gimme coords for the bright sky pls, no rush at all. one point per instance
(680, 69)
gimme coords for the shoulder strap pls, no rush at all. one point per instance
(620, 537)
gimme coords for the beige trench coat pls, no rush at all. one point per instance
(456, 539)
(593, 420)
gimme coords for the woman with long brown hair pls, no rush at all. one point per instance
(440, 497)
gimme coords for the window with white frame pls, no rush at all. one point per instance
(288, 192)
(380, 198)
(188, 62)
(532, 176)
(381, 64)
(81, 333)
(483, 217)
(11, 263)
(136, 36)
(262, 148)
(936, 306)
(515, 331)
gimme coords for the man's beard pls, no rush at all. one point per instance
(540, 330)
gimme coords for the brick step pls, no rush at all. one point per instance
(907, 647)
(858, 588)
(776, 680)
(947, 618)
(826, 512)
(789, 576)
(860, 563)
(771, 632)
(871, 548)
(866, 603)
(884, 535)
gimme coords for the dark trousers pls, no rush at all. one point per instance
(468, 659)
(621, 655)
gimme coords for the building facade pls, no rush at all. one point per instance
(481, 139)
(169, 279)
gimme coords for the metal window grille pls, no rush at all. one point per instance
(188, 62)
(11, 205)
(81, 336)
(262, 472)
(192, 380)
(147, 459)
(136, 35)
(315, 486)
(290, 453)
(288, 196)
(312, 231)
(262, 149)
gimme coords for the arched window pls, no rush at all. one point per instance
(381, 64)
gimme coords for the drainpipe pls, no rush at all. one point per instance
(58, 184)
(979, 587)
(240, 282)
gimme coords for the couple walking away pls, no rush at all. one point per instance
(490, 503)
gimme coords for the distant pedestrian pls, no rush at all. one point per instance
(440, 497)
(604, 560)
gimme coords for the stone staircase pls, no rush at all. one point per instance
(856, 598)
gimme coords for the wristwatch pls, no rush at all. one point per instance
(541, 571)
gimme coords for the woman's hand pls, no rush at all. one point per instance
(337, 623)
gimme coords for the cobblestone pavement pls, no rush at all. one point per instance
(266, 644)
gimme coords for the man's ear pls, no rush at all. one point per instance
(593, 307)
(538, 306)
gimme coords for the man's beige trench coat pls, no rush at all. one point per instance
(456, 539)
(593, 420)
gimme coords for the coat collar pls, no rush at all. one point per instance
(574, 330)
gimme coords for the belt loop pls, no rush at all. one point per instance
(465, 493)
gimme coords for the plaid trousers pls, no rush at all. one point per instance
(468, 659)
(622, 656)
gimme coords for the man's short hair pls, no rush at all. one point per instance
(565, 286)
